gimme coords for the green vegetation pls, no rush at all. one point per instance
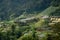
(30, 20)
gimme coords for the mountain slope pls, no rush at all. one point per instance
(14, 8)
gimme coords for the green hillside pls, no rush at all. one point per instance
(10, 9)
(29, 20)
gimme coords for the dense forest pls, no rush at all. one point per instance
(29, 19)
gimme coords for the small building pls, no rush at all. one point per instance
(55, 19)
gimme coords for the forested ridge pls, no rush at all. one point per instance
(29, 19)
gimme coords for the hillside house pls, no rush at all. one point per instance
(55, 19)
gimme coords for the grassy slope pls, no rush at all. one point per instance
(48, 10)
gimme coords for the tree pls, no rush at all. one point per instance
(13, 34)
